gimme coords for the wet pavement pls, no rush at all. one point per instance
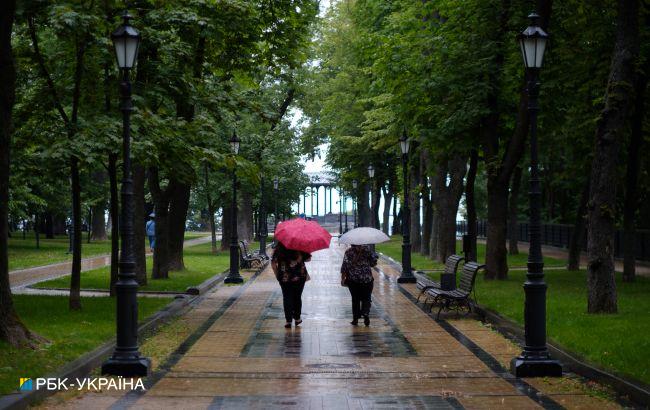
(239, 355)
(19, 279)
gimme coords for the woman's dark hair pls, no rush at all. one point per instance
(282, 254)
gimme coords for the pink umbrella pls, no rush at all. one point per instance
(302, 235)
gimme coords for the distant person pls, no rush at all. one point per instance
(290, 271)
(356, 274)
(151, 231)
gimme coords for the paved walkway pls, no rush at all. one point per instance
(25, 277)
(240, 356)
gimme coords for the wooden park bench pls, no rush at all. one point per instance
(447, 278)
(248, 261)
(254, 253)
(457, 299)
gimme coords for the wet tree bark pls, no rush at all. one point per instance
(428, 204)
(389, 192)
(139, 226)
(601, 285)
(634, 150)
(397, 217)
(245, 216)
(178, 206)
(226, 218)
(470, 204)
(579, 226)
(211, 208)
(98, 224)
(414, 204)
(447, 199)
(161, 199)
(513, 211)
(376, 198)
(364, 208)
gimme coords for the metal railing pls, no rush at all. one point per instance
(559, 235)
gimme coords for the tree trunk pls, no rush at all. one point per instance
(470, 204)
(447, 198)
(114, 205)
(139, 224)
(513, 212)
(179, 204)
(49, 225)
(495, 252)
(160, 269)
(397, 217)
(363, 206)
(226, 217)
(99, 223)
(388, 200)
(414, 205)
(75, 274)
(211, 209)
(427, 217)
(245, 216)
(376, 198)
(611, 125)
(575, 241)
(632, 175)
(12, 329)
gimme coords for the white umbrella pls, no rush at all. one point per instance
(363, 236)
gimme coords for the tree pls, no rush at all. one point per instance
(12, 330)
(614, 119)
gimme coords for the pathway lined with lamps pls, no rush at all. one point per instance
(241, 356)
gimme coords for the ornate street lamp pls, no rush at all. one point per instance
(355, 185)
(233, 275)
(276, 186)
(534, 360)
(126, 360)
(407, 273)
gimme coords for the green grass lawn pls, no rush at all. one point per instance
(201, 264)
(71, 334)
(23, 253)
(393, 248)
(619, 342)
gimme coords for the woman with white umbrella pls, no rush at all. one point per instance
(356, 270)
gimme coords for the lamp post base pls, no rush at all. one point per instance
(407, 279)
(535, 367)
(234, 279)
(133, 367)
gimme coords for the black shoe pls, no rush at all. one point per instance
(298, 321)
(355, 322)
(366, 320)
(288, 325)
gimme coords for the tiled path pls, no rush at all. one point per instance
(240, 355)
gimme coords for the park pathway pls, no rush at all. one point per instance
(240, 356)
(25, 277)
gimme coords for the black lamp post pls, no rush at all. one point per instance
(371, 174)
(535, 360)
(233, 275)
(355, 186)
(407, 273)
(262, 218)
(276, 185)
(126, 360)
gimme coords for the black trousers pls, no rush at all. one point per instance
(361, 298)
(292, 299)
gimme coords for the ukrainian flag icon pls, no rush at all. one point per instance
(26, 384)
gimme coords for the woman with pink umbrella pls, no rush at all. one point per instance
(297, 239)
